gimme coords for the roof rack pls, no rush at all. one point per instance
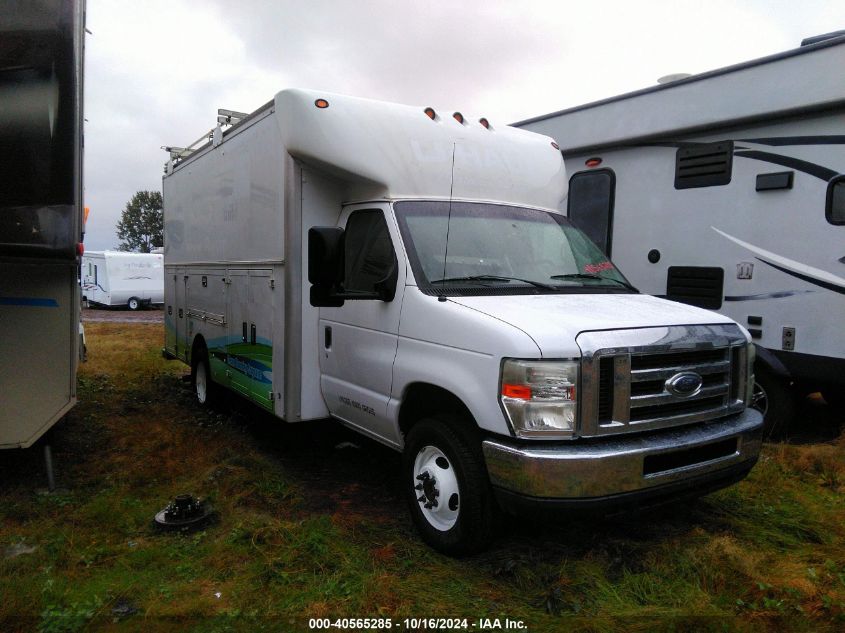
(214, 136)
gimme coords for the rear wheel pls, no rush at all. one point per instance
(205, 389)
(134, 303)
(777, 399)
(446, 485)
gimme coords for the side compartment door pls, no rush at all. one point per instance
(170, 341)
(180, 313)
(260, 355)
(237, 341)
(358, 341)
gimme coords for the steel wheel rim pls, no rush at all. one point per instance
(436, 488)
(759, 399)
(201, 383)
(133, 304)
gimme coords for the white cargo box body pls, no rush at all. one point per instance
(235, 260)
(115, 278)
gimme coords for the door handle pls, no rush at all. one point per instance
(327, 340)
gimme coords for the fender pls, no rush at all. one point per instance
(772, 363)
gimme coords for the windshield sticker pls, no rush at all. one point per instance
(597, 268)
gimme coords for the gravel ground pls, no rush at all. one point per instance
(122, 315)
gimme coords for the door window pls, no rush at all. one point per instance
(369, 251)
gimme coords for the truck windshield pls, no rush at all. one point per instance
(474, 248)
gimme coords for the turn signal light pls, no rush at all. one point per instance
(520, 392)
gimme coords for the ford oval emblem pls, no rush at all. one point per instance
(684, 384)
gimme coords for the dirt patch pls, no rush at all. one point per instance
(122, 315)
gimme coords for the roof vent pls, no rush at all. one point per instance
(667, 79)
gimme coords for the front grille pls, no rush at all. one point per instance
(633, 388)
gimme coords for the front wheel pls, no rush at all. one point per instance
(777, 400)
(133, 304)
(447, 488)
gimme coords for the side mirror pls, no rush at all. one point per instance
(325, 256)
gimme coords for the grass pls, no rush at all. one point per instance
(312, 527)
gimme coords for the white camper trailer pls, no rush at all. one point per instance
(726, 190)
(115, 278)
(41, 220)
(406, 272)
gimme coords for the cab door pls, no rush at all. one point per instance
(358, 340)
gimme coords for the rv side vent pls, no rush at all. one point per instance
(704, 165)
(696, 285)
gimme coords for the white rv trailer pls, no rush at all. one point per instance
(115, 278)
(726, 190)
(407, 273)
(41, 210)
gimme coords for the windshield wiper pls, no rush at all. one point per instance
(536, 284)
(594, 276)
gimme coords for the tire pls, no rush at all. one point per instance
(777, 399)
(133, 304)
(446, 486)
(206, 391)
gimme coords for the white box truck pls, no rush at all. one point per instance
(115, 278)
(41, 221)
(407, 272)
(726, 190)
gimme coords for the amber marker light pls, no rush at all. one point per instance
(430, 113)
(458, 117)
(593, 162)
(521, 392)
(484, 123)
(555, 145)
(321, 103)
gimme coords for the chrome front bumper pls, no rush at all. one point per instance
(625, 466)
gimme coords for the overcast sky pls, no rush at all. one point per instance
(158, 70)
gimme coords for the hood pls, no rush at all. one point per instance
(553, 321)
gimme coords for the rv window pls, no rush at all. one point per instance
(590, 205)
(369, 251)
(835, 209)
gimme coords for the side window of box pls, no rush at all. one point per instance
(590, 205)
(835, 207)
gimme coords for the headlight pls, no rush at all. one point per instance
(539, 397)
